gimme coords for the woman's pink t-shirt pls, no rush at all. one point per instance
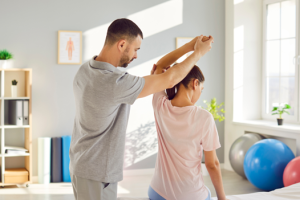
(182, 132)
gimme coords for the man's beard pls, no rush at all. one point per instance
(125, 60)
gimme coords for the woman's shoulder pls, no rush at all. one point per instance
(158, 99)
(203, 113)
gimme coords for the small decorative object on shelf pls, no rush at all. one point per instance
(277, 110)
(14, 88)
(4, 56)
(12, 150)
(17, 175)
(215, 110)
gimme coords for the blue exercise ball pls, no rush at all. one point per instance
(265, 162)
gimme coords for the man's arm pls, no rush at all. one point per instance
(158, 82)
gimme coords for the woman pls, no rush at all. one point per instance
(183, 131)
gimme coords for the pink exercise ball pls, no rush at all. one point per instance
(291, 174)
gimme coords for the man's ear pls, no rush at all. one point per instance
(121, 45)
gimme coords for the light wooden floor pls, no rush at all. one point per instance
(137, 186)
(131, 186)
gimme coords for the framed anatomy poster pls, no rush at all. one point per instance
(180, 41)
(69, 47)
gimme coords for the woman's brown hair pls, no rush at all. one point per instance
(195, 73)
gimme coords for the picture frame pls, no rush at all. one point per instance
(180, 41)
(69, 47)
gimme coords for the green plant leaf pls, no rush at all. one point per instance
(275, 108)
(5, 55)
(214, 109)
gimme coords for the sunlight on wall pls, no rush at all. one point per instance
(145, 104)
(237, 1)
(94, 41)
(238, 73)
(159, 18)
(152, 20)
(238, 38)
(141, 138)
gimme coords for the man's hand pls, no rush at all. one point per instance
(164, 70)
(155, 70)
(203, 47)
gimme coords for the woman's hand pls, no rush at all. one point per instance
(204, 39)
(191, 44)
(203, 47)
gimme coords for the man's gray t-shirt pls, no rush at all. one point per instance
(103, 95)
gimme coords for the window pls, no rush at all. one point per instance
(280, 60)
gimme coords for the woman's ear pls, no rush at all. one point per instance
(195, 83)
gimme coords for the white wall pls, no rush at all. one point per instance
(30, 28)
(247, 59)
(243, 77)
(243, 66)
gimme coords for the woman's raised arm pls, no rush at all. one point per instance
(158, 82)
(165, 62)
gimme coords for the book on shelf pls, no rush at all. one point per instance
(15, 150)
(16, 112)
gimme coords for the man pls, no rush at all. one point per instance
(103, 95)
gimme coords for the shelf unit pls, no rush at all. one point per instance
(13, 133)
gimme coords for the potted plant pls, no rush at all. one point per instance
(4, 56)
(215, 109)
(279, 111)
(14, 89)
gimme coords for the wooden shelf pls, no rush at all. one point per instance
(13, 135)
(15, 126)
(17, 98)
(16, 69)
(16, 155)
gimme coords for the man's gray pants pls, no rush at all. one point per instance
(85, 189)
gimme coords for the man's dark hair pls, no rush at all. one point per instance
(122, 29)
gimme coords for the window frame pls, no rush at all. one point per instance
(269, 116)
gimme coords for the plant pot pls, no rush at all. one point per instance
(2, 63)
(14, 91)
(9, 64)
(279, 121)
